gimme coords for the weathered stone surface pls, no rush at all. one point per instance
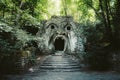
(60, 63)
(61, 34)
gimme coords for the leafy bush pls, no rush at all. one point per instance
(12, 44)
(97, 55)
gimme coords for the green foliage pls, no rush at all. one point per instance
(93, 33)
(97, 55)
(12, 43)
(97, 59)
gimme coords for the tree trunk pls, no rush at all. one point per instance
(3, 11)
(106, 21)
(108, 27)
(65, 7)
(116, 23)
(18, 14)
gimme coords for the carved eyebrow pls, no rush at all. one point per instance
(67, 24)
(52, 24)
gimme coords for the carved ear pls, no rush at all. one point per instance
(41, 28)
(43, 22)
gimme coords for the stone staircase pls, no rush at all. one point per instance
(59, 63)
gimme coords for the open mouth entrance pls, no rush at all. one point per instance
(59, 44)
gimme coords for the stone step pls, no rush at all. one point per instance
(59, 60)
(59, 64)
(59, 70)
(59, 67)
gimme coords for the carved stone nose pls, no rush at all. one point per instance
(60, 33)
(63, 33)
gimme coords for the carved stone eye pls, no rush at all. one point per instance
(52, 26)
(68, 28)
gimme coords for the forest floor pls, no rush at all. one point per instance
(57, 67)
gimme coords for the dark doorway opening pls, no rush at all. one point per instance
(59, 44)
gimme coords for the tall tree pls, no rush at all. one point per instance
(116, 24)
(106, 19)
(64, 2)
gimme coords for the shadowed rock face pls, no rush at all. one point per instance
(60, 34)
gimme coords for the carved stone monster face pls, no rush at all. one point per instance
(59, 34)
